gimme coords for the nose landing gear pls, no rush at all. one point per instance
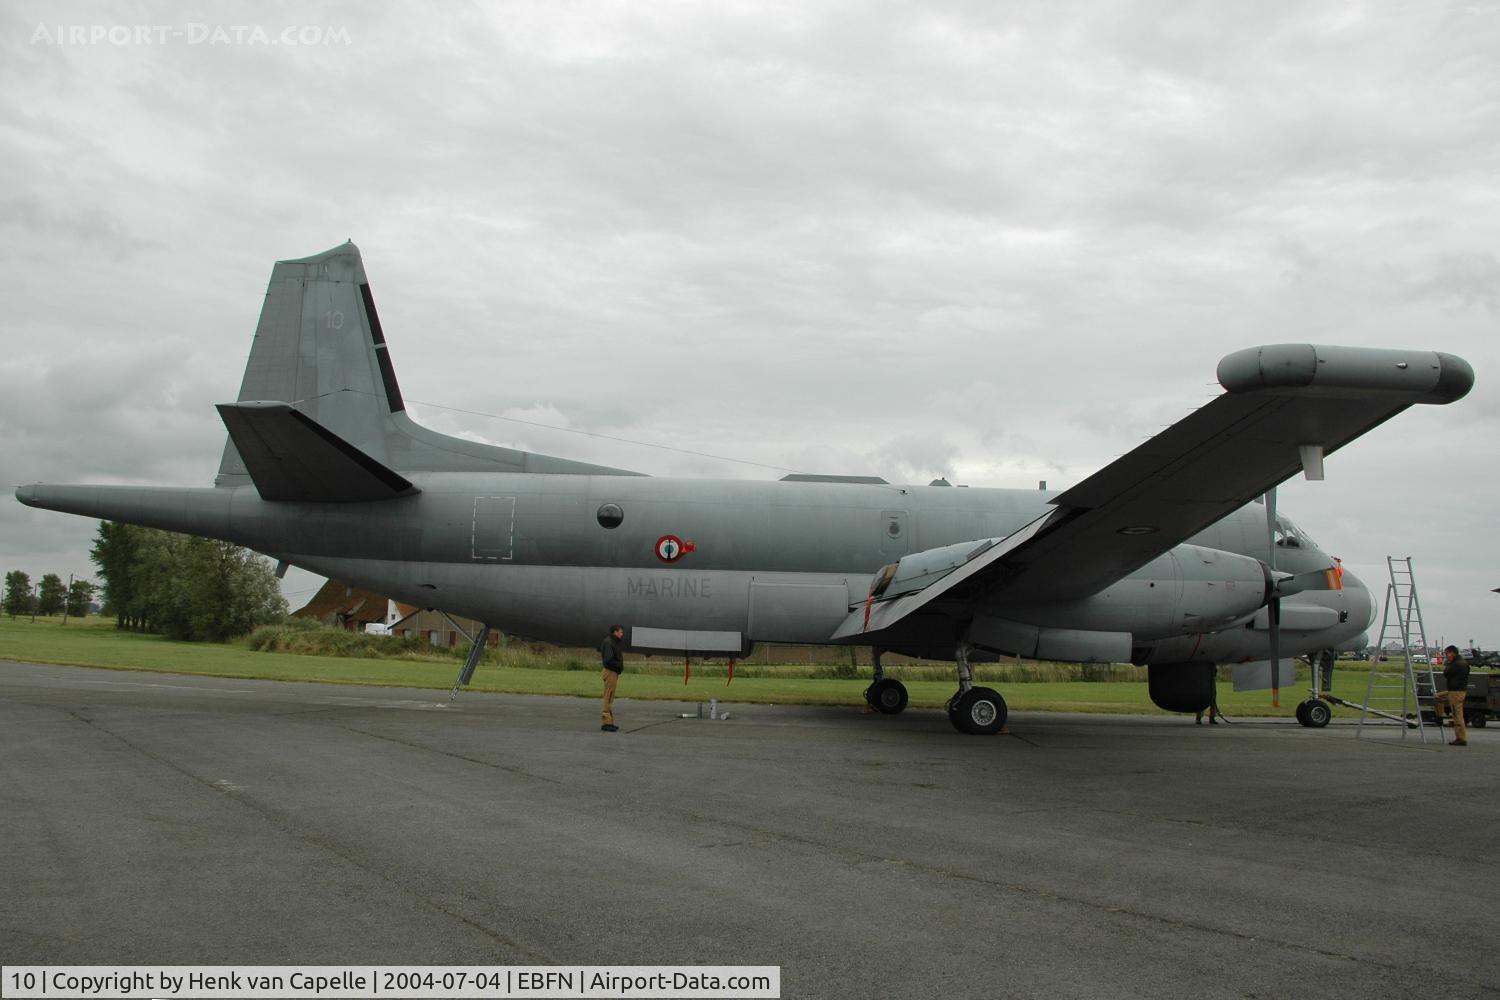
(1314, 713)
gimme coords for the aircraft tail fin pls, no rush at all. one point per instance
(320, 350)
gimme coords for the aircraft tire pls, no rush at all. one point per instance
(1478, 720)
(887, 695)
(979, 712)
(1302, 713)
(1318, 713)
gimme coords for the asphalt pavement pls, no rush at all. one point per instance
(161, 819)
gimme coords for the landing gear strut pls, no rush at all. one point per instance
(886, 694)
(1314, 713)
(976, 710)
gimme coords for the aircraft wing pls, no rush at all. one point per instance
(1283, 409)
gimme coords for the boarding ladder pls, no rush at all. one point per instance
(1391, 693)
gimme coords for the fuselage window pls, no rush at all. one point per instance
(610, 515)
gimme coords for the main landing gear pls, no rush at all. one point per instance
(979, 711)
(886, 694)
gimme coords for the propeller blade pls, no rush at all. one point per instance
(1271, 528)
(1273, 606)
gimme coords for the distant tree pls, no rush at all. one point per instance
(80, 596)
(114, 552)
(17, 593)
(185, 587)
(51, 595)
(203, 590)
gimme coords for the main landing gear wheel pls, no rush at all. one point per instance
(1314, 713)
(887, 695)
(979, 711)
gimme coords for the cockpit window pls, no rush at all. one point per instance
(1289, 536)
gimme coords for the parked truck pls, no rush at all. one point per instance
(1481, 704)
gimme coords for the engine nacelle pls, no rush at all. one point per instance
(1188, 589)
(1218, 588)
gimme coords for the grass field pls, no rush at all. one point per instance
(95, 642)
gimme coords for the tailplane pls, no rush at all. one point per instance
(320, 350)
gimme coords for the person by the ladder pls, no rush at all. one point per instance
(1456, 679)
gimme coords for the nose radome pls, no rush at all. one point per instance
(1355, 591)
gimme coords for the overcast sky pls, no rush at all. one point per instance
(996, 242)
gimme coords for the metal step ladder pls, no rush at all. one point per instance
(1391, 693)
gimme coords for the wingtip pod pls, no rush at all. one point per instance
(1455, 378)
(1426, 376)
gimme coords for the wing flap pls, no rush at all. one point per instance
(292, 457)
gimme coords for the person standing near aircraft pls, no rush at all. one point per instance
(1214, 715)
(1456, 676)
(1324, 662)
(611, 654)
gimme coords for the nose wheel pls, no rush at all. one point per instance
(1314, 713)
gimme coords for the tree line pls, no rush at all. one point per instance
(182, 586)
(158, 581)
(50, 597)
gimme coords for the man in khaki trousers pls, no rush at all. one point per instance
(611, 654)
(1456, 677)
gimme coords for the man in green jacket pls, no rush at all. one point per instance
(612, 655)
(1456, 676)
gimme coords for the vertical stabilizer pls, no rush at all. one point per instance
(319, 347)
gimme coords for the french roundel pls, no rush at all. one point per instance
(669, 548)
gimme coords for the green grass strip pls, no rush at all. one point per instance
(95, 642)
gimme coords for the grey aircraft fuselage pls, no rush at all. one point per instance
(763, 561)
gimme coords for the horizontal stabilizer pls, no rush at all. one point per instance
(292, 457)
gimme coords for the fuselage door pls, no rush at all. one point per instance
(494, 529)
(893, 533)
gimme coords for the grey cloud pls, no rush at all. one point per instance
(904, 239)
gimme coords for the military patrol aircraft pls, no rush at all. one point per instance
(1163, 557)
